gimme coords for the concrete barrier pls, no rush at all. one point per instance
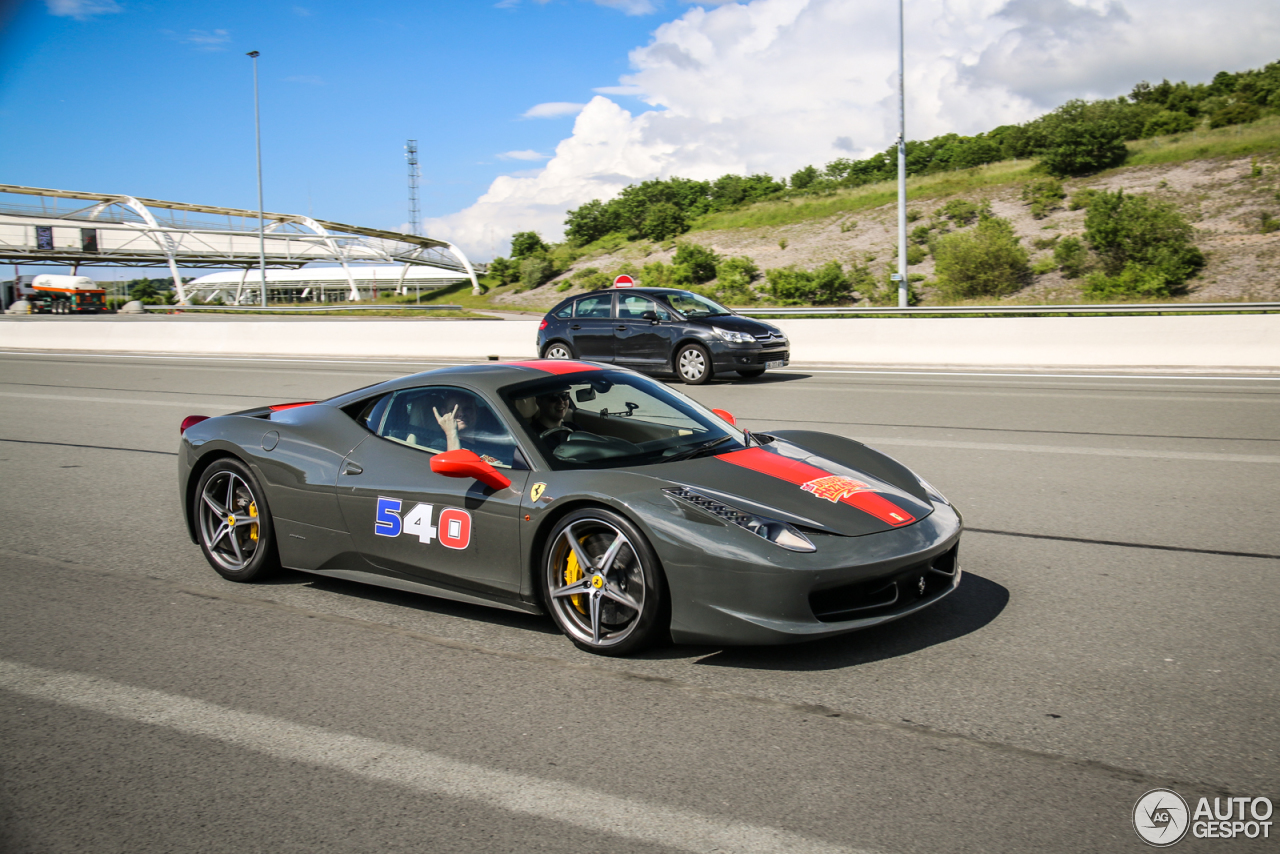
(1184, 341)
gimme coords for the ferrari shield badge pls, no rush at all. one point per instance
(834, 488)
(535, 492)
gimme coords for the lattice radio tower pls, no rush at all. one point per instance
(415, 218)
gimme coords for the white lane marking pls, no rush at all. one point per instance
(407, 767)
(1067, 449)
(1030, 375)
(133, 401)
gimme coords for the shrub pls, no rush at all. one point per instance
(737, 273)
(1134, 280)
(920, 235)
(658, 275)
(1045, 242)
(1081, 198)
(1168, 122)
(916, 254)
(1043, 196)
(698, 262)
(503, 272)
(827, 285)
(913, 215)
(1267, 224)
(535, 271)
(962, 212)
(984, 261)
(885, 292)
(782, 244)
(1081, 147)
(1071, 256)
(1042, 266)
(1136, 231)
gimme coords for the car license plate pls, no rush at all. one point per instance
(780, 363)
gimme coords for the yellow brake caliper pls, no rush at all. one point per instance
(572, 573)
(253, 526)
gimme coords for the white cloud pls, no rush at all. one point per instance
(82, 10)
(207, 39)
(774, 85)
(552, 110)
(523, 155)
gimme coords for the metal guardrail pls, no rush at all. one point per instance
(1126, 308)
(300, 309)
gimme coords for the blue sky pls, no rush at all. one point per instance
(154, 98)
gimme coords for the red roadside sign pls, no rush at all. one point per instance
(624, 281)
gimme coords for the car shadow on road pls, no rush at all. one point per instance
(419, 602)
(975, 603)
(769, 378)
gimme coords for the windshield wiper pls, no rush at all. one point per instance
(690, 453)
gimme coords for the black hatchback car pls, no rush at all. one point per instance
(661, 330)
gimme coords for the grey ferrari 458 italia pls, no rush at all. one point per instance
(630, 512)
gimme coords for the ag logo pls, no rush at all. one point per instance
(536, 491)
(1161, 818)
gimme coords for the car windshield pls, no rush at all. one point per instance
(695, 305)
(604, 420)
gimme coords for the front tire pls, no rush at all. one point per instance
(558, 350)
(693, 364)
(233, 522)
(602, 583)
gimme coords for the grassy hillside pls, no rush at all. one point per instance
(1225, 182)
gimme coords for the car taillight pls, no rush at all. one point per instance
(281, 406)
(542, 325)
(192, 420)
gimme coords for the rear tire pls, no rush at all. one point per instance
(693, 365)
(233, 522)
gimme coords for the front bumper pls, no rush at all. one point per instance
(770, 596)
(732, 357)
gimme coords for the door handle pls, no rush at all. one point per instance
(621, 328)
(575, 326)
(352, 468)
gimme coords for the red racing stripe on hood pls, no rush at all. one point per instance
(821, 483)
(556, 366)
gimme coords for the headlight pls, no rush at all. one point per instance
(778, 533)
(735, 337)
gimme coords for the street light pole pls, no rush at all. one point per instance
(902, 164)
(262, 223)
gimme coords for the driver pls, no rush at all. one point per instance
(549, 421)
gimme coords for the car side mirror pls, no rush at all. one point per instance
(725, 416)
(651, 316)
(464, 463)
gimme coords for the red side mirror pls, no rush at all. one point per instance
(464, 463)
(725, 416)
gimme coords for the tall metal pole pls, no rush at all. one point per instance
(262, 220)
(415, 216)
(902, 163)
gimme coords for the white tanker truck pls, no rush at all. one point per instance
(62, 294)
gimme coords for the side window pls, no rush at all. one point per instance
(444, 418)
(373, 411)
(600, 305)
(633, 307)
(565, 312)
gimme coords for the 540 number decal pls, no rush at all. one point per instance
(452, 529)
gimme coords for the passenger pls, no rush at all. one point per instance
(459, 421)
(548, 422)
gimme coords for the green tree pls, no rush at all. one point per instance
(1235, 114)
(1071, 256)
(986, 260)
(1081, 146)
(1167, 122)
(526, 243)
(662, 221)
(503, 271)
(590, 222)
(804, 178)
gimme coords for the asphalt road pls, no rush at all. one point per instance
(1116, 632)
